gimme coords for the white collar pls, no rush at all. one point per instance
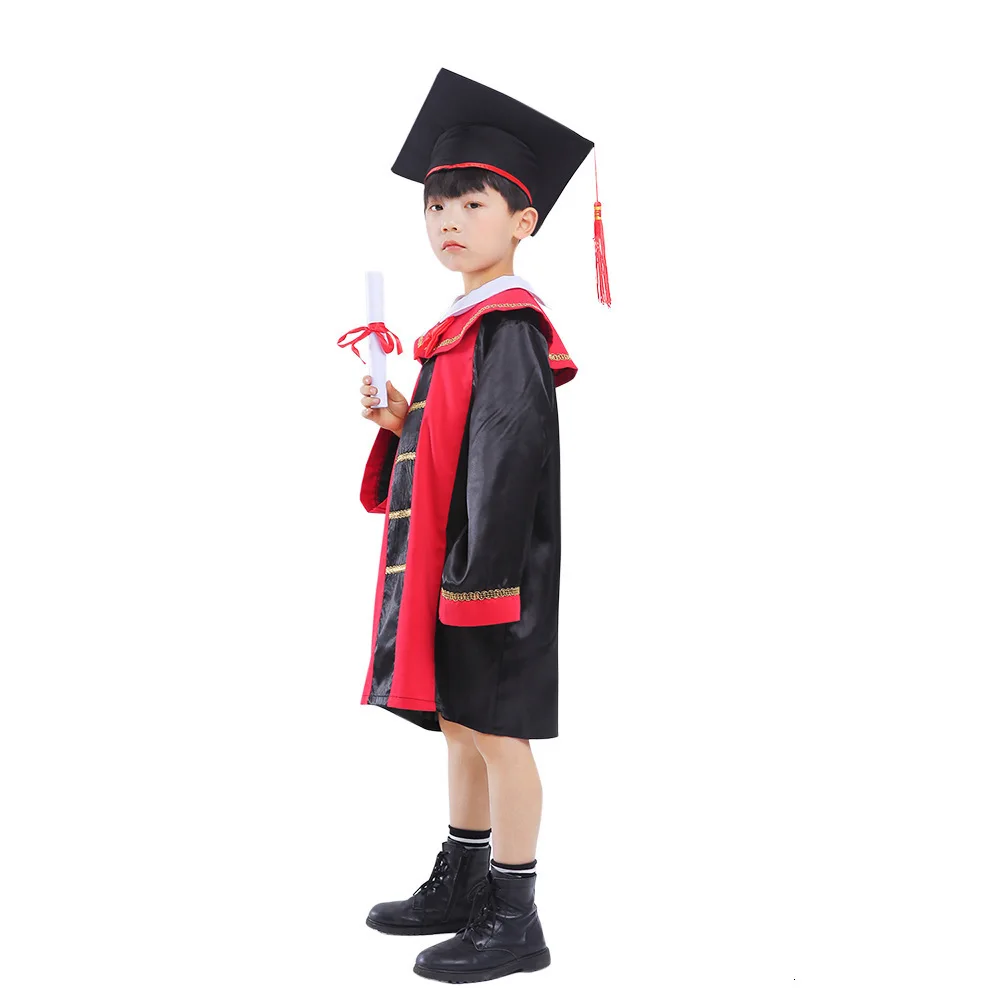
(486, 291)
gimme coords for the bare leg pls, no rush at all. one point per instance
(515, 796)
(468, 787)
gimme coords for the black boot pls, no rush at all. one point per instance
(503, 935)
(441, 905)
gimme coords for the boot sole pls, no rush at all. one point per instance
(449, 928)
(529, 963)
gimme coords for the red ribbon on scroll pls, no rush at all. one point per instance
(385, 337)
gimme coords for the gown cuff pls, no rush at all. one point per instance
(481, 607)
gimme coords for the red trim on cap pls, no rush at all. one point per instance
(485, 166)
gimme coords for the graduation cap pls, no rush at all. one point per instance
(463, 123)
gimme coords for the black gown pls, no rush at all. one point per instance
(504, 525)
(502, 538)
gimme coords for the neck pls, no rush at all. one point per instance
(476, 279)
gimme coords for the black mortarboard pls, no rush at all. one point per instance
(463, 123)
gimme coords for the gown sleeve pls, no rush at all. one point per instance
(510, 426)
(378, 469)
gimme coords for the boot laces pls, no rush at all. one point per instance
(484, 906)
(441, 869)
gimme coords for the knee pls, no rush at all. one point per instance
(496, 747)
(457, 736)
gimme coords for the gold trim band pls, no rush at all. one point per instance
(480, 595)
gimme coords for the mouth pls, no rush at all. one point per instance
(452, 245)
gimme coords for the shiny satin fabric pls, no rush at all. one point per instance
(395, 548)
(502, 536)
(503, 532)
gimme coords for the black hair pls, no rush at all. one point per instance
(459, 181)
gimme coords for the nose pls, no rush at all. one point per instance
(448, 225)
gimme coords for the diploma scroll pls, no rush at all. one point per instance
(376, 355)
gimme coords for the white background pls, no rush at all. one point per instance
(776, 769)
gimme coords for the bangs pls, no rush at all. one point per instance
(460, 181)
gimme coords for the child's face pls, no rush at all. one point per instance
(481, 223)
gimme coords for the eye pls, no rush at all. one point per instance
(437, 205)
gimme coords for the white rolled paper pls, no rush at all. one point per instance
(376, 356)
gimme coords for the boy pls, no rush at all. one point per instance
(464, 638)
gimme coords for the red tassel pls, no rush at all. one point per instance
(603, 288)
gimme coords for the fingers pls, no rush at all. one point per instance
(368, 397)
(369, 400)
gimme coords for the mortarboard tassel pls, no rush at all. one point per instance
(603, 289)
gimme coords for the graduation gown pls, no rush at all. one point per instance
(467, 593)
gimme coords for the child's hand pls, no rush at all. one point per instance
(390, 417)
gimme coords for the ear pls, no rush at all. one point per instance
(526, 224)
